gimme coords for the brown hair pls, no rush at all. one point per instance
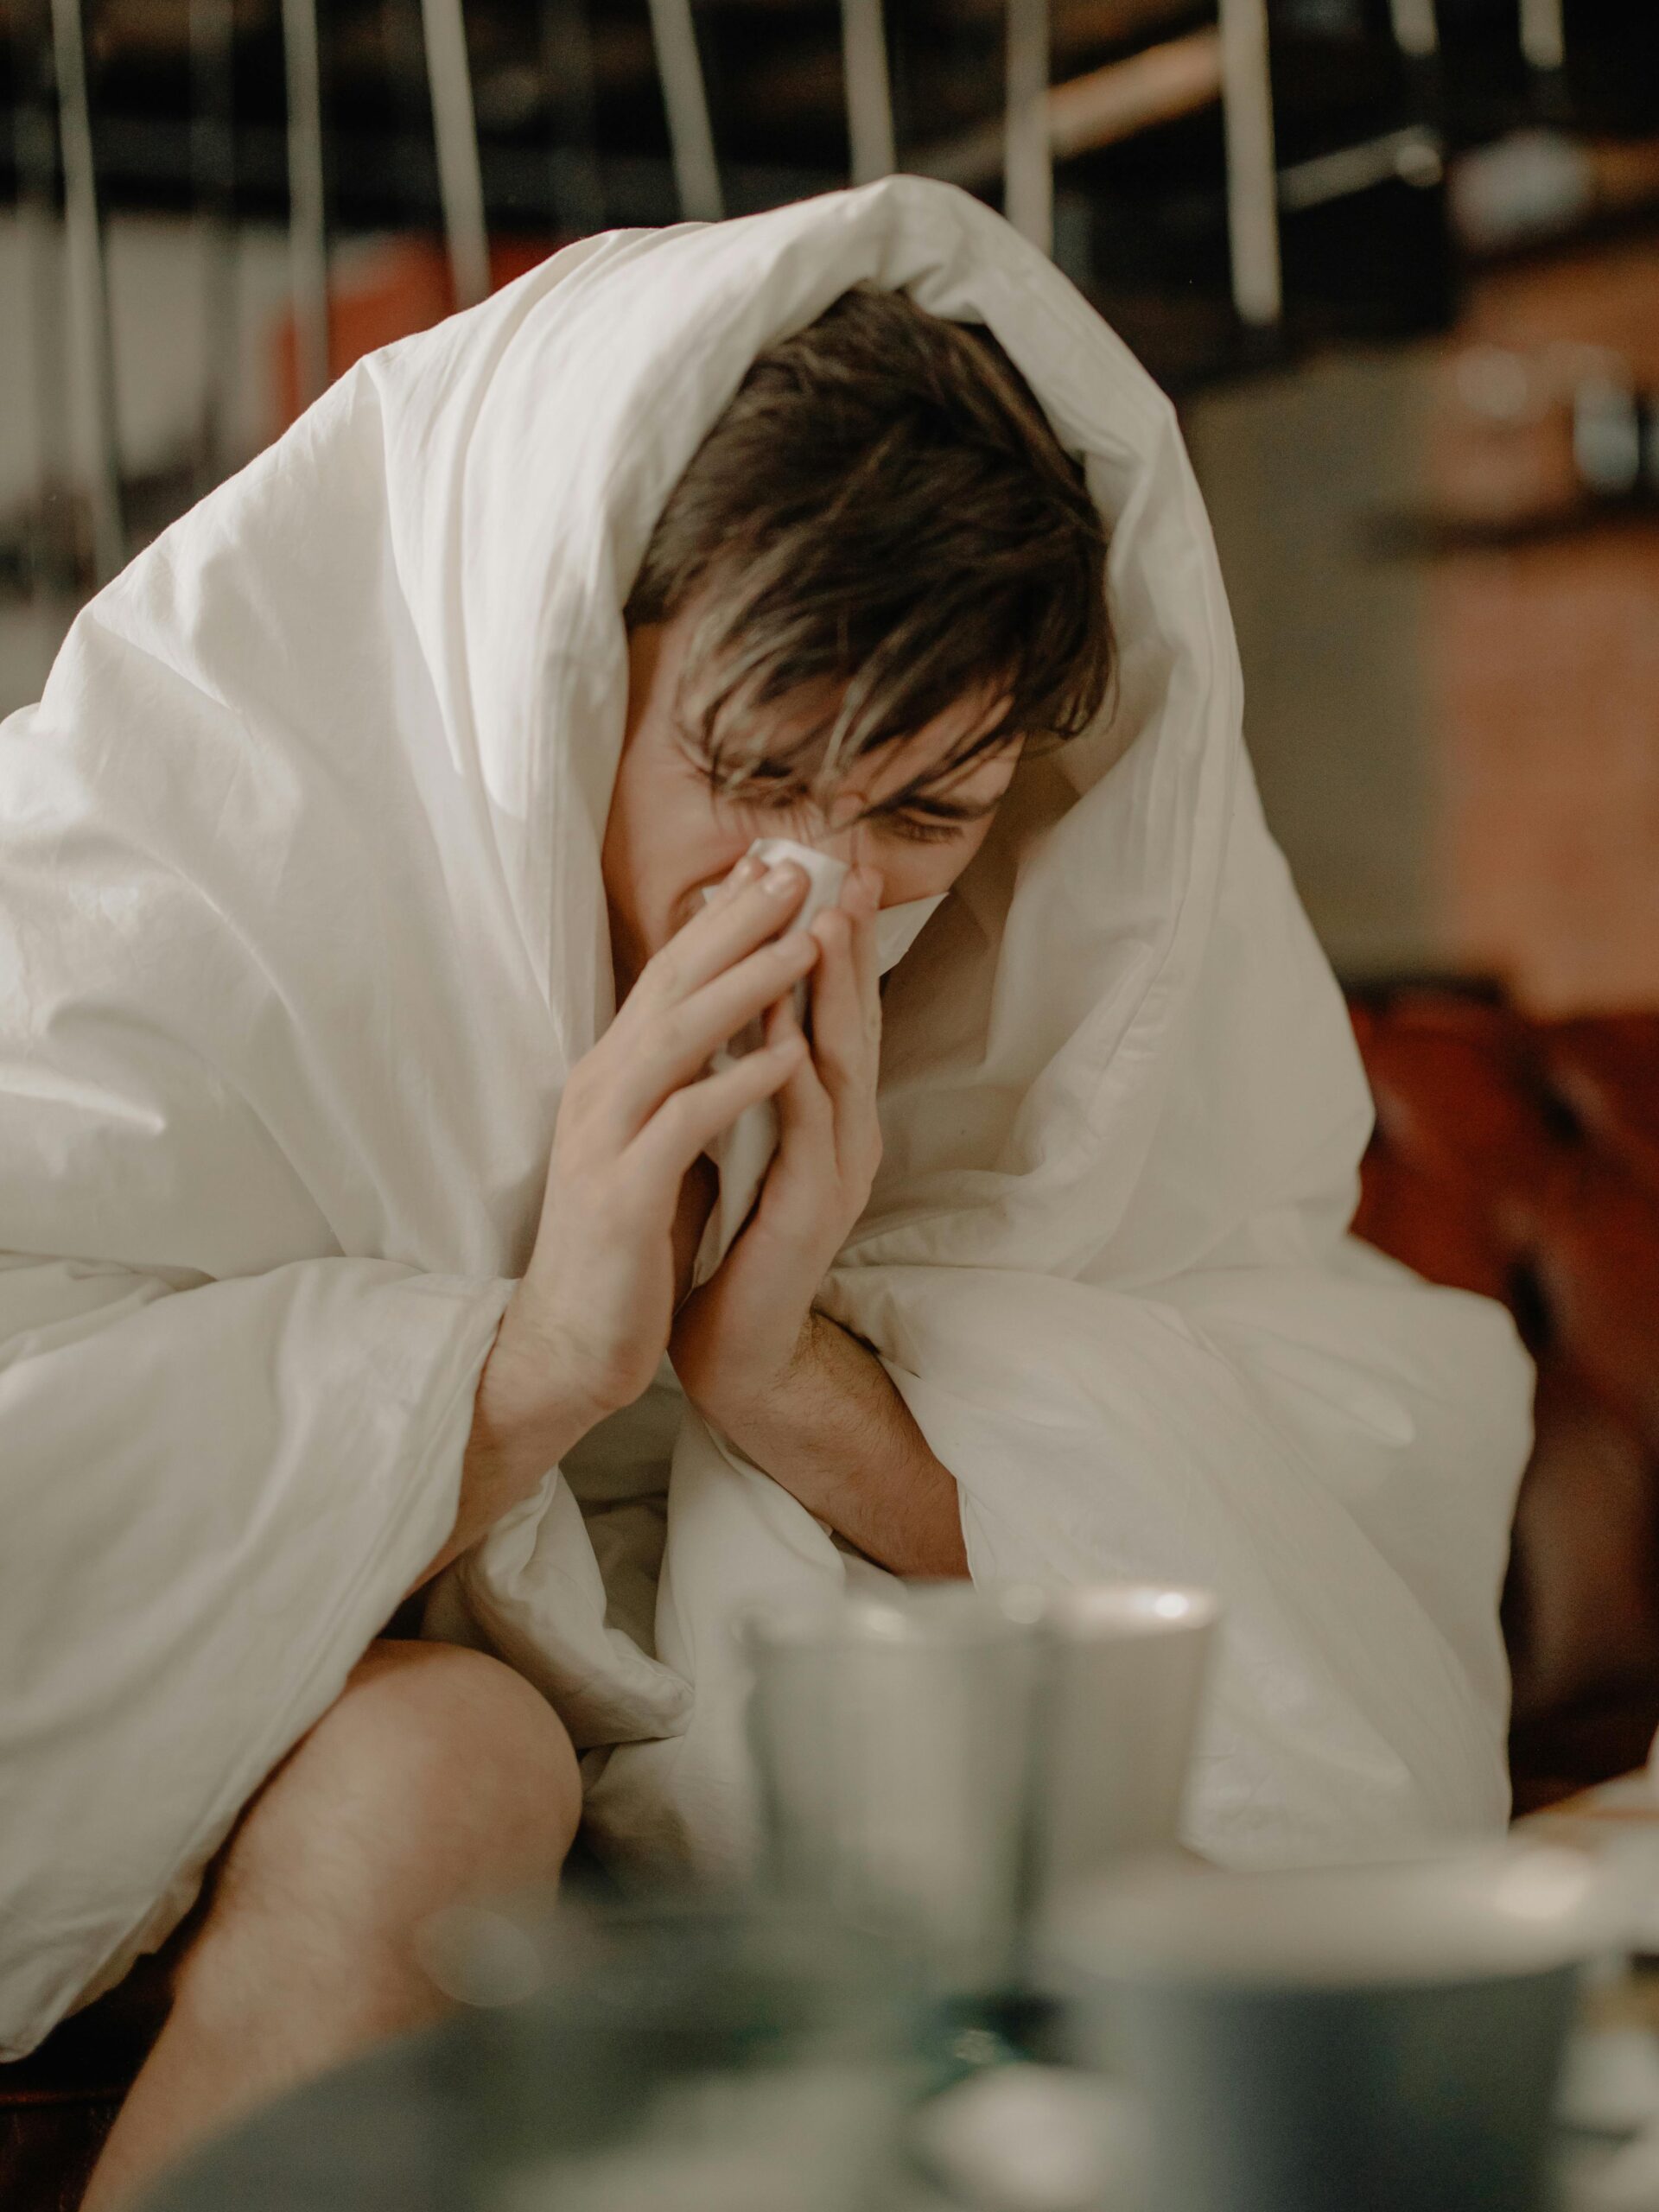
(880, 526)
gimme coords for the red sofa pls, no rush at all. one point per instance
(1521, 1159)
(1514, 1158)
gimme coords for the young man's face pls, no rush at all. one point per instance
(668, 833)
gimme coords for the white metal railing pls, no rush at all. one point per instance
(455, 127)
(307, 234)
(690, 137)
(1041, 121)
(89, 290)
(1252, 177)
(869, 95)
(1028, 158)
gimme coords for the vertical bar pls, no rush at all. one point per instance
(1416, 32)
(869, 96)
(89, 285)
(213, 166)
(691, 138)
(568, 65)
(36, 152)
(307, 236)
(1252, 181)
(1543, 33)
(460, 182)
(1027, 153)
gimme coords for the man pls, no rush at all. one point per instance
(415, 808)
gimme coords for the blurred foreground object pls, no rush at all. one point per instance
(1035, 2139)
(716, 2058)
(934, 1760)
(1124, 1669)
(1350, 2039)
(894, 1739)
(674, 2055)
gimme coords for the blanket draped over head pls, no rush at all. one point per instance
(303, 930)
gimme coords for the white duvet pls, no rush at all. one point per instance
(303, 930)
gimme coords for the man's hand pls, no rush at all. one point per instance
(737, 1340)
(698, 1194)
(807, 1403)
(627, 1191)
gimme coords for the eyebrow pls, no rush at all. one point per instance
(941, 809)
(944, 809)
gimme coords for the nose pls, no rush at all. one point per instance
(842, 837)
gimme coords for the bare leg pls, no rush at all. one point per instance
(439, 1774)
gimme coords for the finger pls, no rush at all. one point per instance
(845, 1026)
(649, 1062)
(695, 1116)
(748, 870)
(806, 1116)
(804, 1091)
(722, 932)
(867, 884)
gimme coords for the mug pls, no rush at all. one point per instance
(1365, 2038)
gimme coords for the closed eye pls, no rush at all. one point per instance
(924, 833)
(911, 824)
(922, 820)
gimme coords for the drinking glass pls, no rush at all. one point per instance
(1124, 1666)
(895, 1742)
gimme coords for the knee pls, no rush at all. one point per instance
(438, 1774)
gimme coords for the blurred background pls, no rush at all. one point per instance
(1396, 260)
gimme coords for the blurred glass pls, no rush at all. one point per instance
(1381, 2038)
(1124, 1666)
(1034, 2138)
(895, 1742)
(688, 2054)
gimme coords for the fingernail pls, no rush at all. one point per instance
(784, 877)
(747, 869)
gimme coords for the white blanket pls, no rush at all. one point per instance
(303, 930)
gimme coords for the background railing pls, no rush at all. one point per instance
(1228, 178)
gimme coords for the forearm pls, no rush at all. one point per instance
(839, 1437)
(524, 1422)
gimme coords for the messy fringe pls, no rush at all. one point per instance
(881, 527)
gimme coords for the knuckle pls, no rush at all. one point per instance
(679, 1113)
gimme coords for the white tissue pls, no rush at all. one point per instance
(742, 1152)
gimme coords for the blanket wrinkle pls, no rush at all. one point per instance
(305, 930)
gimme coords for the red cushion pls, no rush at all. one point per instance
(1521, 1159)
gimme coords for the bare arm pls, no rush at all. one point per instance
(838, 1435)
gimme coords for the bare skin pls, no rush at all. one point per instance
(439, 1774)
